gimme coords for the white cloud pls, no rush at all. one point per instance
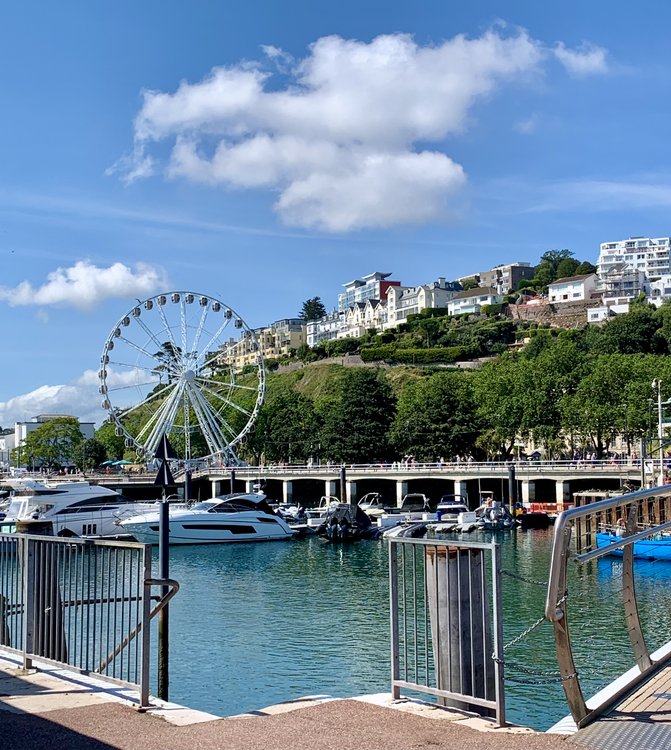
(79, 399)
(527, 126)
(588, 59)
(345, 142)
(85, 285)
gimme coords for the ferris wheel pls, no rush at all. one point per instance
(184, 365)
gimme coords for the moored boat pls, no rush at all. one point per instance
(237, 517)
(72, 509)
(656, 548)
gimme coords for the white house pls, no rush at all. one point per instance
(362, 316)
(573, 288)
(325, 329)
(403, 301)
(473, 300)
(660, 290)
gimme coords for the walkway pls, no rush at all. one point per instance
(640, 720)
(54, 708)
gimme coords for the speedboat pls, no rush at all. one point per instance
(237, 517)
(75, 508)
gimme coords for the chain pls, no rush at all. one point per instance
(509, 574)
(542, 677)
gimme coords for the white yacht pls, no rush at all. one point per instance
(238, 517)
(74, 508)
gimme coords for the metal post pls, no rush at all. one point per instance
(163, 616)
(232, 480)
(343, 484)
(512, 489)
(187, 485)
(657, 385)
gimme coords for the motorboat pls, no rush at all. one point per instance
(316, 516)
(450, 506)
(75, 508)
(655, 548)
(347, 523)
(236, 517)
(492, 515)
(372, 505)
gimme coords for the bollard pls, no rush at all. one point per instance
(461, 631)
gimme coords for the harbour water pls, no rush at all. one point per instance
(258, 624)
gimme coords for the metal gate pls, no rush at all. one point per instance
(81, 603)
(446, 626)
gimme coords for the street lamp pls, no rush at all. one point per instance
(657, 386)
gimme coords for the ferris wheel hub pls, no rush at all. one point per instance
(189, 376)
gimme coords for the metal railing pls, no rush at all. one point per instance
(446, 625)
(631, 507)
(83, 604)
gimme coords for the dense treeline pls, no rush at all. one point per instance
(565, 389)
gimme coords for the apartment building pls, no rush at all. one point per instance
(649, 255)
(504, 278)
(273, 342)
(372, 286)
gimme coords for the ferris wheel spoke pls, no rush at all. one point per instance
(215, 356)
(182, 321)
(152, 336)
(151, 397)
(129, 386)
(207, 421)
(214, 415)
(141, 350)
(128, 365)
(227, 401)
(215, 337)
(229, 384)
(168, 328)
(166, 420)
(158, 414)
(199, 332)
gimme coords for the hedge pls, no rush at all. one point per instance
(391, 353)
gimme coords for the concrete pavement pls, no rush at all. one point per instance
(53, 708)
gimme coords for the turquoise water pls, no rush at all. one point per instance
(258, 624)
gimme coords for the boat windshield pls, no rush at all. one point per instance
(205, 505)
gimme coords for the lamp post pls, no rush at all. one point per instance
(657, 386)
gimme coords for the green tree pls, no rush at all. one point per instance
(287, 429)
(313, 309)
(53, 444)
(89, 454)
(584, 268)
(595, 411)
(435, 418)
(356, 410)
(471, 283)
(500, 391)
(113, 445)
(567, 268)
(167, 356)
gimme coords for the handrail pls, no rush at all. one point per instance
(583, 711)
(562, 537)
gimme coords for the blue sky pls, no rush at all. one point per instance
(267, 152)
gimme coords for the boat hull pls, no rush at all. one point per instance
(646, 549)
